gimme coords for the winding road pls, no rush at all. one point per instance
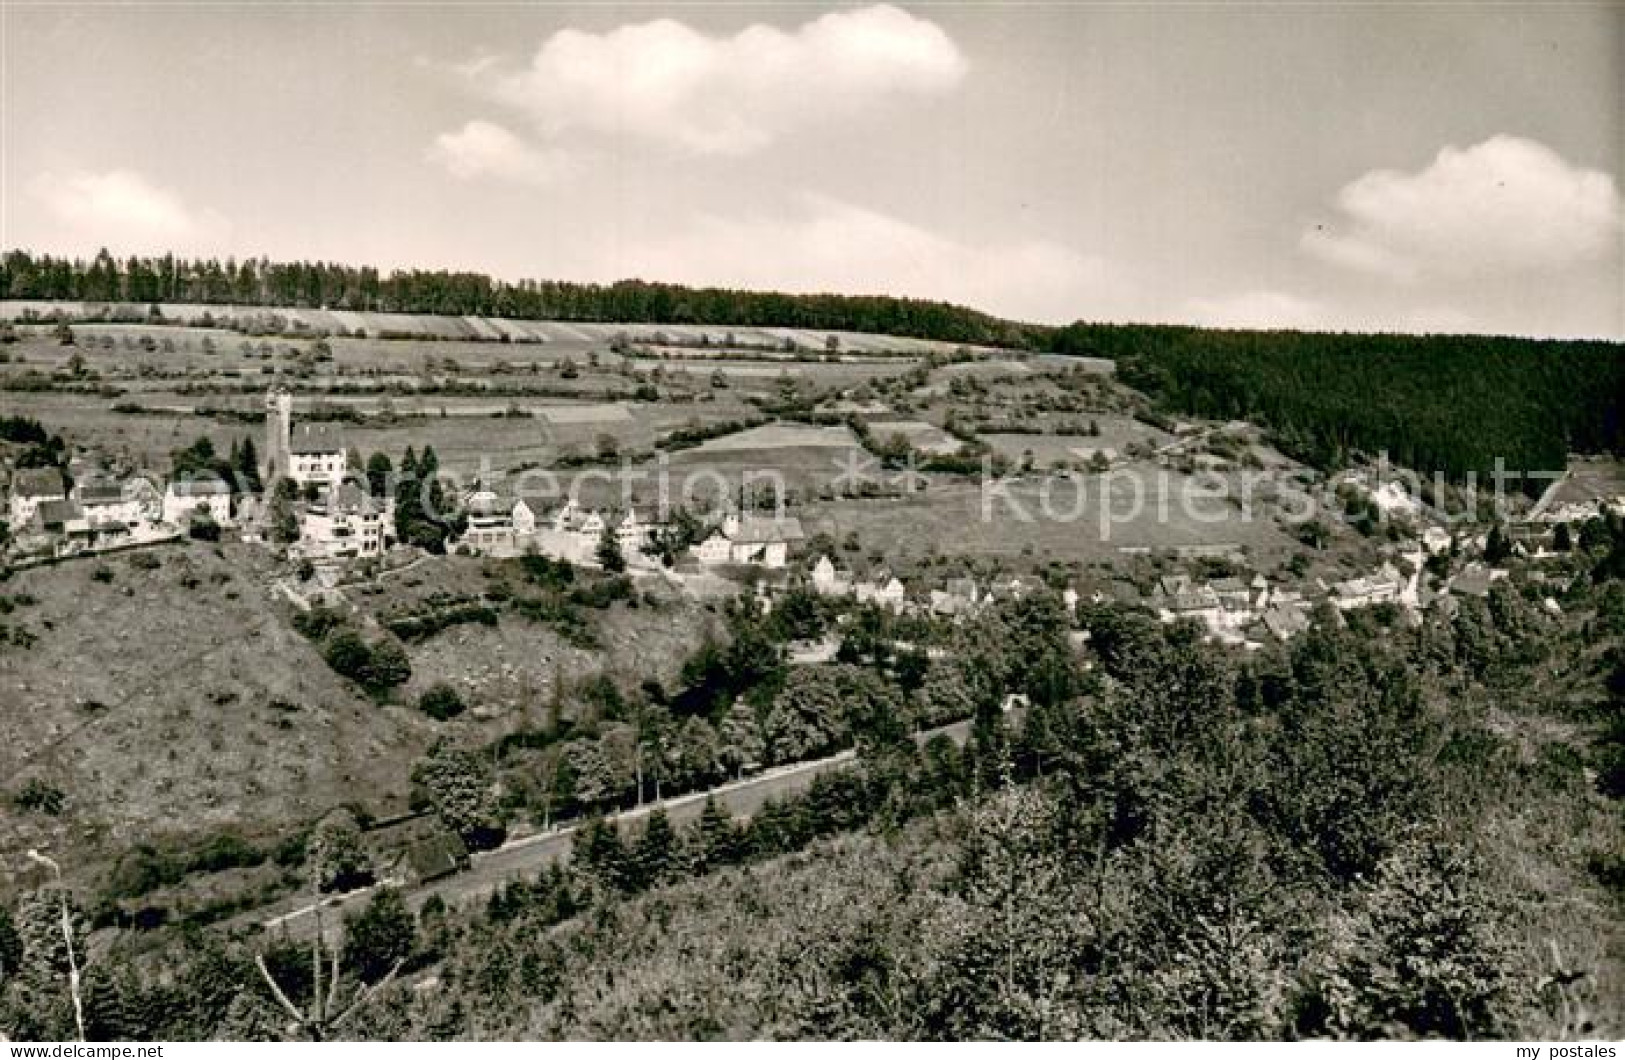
(525, 856)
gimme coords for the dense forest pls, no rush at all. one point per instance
(1439, 404)
(324, 285)
(1382, 830)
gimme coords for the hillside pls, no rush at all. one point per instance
(362, 289)
(178, 699)
(167, 696)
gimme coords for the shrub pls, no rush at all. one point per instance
(203, 528)
(377, 667)
(441, 702)
(40, 797)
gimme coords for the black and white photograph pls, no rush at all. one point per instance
(715, 520)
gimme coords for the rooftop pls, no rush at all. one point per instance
(315, 438)
(198, 487)
(754, 530)
(37, 482)
(100, 491)
(53, 513)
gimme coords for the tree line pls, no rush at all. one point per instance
(304, 284)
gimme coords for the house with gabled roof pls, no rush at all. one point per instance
(1285, 620)
(751, 540)
(1385, 586)
(187, 497)
(31, 487)
(345, 523)
(107, 500)
(830, 580)
(489, 525)
(883, 590)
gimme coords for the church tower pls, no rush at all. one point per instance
(278, 428)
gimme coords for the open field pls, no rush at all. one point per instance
(926, 437)
(779, 436)
(1590, 479)
(948, 519)
(466, 432)
(485, 329)
(1116, 432)
(178, 699)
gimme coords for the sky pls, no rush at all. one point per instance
(1348, 166)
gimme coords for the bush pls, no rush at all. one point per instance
(441, 702)
(203, 528)
(377, 667)
(40, 797)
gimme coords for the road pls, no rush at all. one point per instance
(525, 856)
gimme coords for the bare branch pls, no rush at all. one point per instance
(259, 962)
(368, 994)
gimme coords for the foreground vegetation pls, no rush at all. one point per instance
(1383, 831)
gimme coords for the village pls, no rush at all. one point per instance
(322, 514)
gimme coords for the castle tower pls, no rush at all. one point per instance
(278, 429)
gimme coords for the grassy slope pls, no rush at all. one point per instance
(163, 710)
(154, 706)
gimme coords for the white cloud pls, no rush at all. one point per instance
(484, 149)
(825, 245)
(1504, 206)
(667, 83)
(122, 210)
(1263, 309)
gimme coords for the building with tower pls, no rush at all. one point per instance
(313, 454)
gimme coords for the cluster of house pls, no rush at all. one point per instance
(1230, 607)
(99, 511)
(339, 520)
(510, 526)
(957, 598)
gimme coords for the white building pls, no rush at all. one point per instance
(1436, 539)
(345, 524)
(314, 453)
(573, 519)
(106, 501)
(490, 523)
(184, 498)
(829, 580)
(1383, 587)
(884, 591)
(573, 533)
(31, 487)
(751, 540)
(632, 535)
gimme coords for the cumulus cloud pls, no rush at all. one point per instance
(667, 83)
(1505, 206)
(484, 149)
(822, 244)
(123, 210)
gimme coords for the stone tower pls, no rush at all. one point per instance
(278, 428)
